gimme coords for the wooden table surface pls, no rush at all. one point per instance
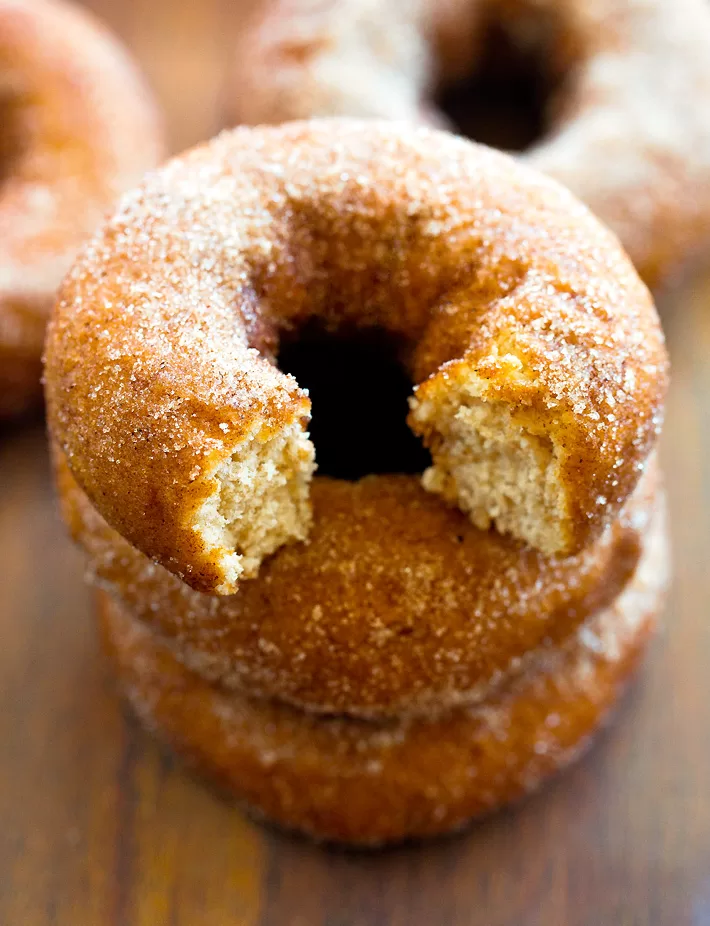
(98, 827)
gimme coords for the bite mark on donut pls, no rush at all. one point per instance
(260, 502)
(491, 464)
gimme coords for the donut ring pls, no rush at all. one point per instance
(363, 783)
(627, 132)
(397, 605)
(536, 353)
(78, 129)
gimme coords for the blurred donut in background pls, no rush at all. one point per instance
(604, 95)
(78, 127)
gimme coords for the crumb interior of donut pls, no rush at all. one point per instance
(261, 502)
(498, 471)
(504, 100)
(359, 392)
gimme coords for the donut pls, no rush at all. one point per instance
(627, 79)
(365, 783)
(78, 128)
(535, 354)
(397, 605)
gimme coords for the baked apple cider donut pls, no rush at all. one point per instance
(365, 783)
(536, 360)
(386, 651)
(77, 128)
(397, 605)
(614, 91)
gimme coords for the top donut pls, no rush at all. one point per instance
(535, 353)
(627, 129)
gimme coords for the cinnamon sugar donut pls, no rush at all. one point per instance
(364, 783)
(630, 79)
(397, 604)
(535, 353)
(78, 128)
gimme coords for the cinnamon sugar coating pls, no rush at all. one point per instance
(77, 129)
(506, 296)
(367, 783)
(396, 605)
(627, 131)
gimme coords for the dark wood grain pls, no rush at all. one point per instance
(98, 826)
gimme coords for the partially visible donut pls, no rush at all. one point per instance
(628, 132)
(535, 352)
(77, 128)
(397, 604)
(358, 782)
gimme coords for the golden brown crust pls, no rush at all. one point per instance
(626, 133)
(396, 604)
(363, 783)
(78, 129)
(157, 356)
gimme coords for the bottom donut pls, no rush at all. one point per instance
(364, 783)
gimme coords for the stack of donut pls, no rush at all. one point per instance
(77, 128)
(627, 80)
(373, 660)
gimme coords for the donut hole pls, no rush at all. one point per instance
(359, 392)
(504, 100)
